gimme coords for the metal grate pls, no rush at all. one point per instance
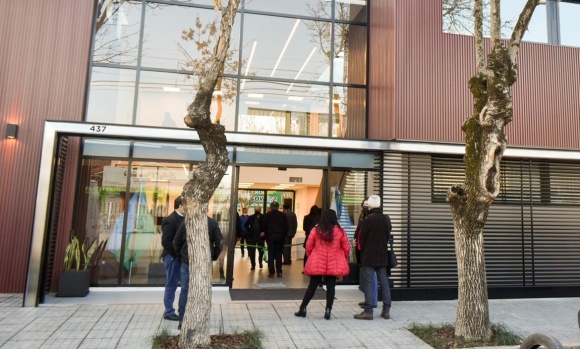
(531, 236)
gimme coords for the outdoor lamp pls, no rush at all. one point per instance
(11, 131)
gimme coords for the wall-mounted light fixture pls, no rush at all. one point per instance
(11, 131)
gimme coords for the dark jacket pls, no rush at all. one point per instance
(292, 222)
(215, 239)
(275, 222)
(169, 227)
(309, 222)
(374, 235)
(254, 231)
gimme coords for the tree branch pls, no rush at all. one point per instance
(478, 28)
(495, 22)
(520, 28)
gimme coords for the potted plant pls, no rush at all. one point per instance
(79, 260)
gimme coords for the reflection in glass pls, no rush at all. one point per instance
(183, 38)
(286, 48)
(117, 32)
(283, 108)
(350, 54)
(569, 28)
(111, 96)
(219, 209)
(310, 8)
(349, 112)
(164, 98)
(351, 10)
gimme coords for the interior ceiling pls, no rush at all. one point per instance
(270, 177)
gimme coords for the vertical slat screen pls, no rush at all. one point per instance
(531, 235)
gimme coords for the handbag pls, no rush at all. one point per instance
(392, 257)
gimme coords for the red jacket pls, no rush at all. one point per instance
(329, 259)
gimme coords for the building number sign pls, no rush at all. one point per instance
(98, 128)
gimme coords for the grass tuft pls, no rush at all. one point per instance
(255, 337)
(159, 339)
(443, 336)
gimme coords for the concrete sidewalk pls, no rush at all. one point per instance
(129, 317)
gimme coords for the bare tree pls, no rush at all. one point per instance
(485, 143)
(199, 189)
(458, 18)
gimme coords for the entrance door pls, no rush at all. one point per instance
(300, 188)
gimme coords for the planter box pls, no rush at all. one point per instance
(74, 284)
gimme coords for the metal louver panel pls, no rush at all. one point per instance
(55, 213)
(531, 235)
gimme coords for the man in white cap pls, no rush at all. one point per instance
(373, 238)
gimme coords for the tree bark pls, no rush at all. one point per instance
(485, 142)
(199, 189)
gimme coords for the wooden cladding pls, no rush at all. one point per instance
(418, 81)
(45, 56)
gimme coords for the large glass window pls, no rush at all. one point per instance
(183, 38)
(569, 27)
(284, 68)
(112, 95)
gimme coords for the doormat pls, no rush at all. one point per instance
(269, 294)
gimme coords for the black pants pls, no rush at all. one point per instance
(287, 254)
(314, 282)
(243, 241)
(252, 253)
(275, 246)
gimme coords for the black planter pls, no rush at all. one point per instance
(353, 276)
(74, 284)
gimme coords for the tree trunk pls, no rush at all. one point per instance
(472, 306)
(195, 327)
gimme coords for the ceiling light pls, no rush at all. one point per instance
(285, 47)
(295, 98)
(252, 103)
(249, 63)
(171, 89)
(256, 95)
(302, 68)
(217, 93)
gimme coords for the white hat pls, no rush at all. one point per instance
(374, 201)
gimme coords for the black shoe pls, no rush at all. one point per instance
(242, 253)
(253, 267)
(327, 314)
(222, 275)
(271, 276)
(301, 312)
(279, 275)
(172, 317)
(261, 266)
(179, 326)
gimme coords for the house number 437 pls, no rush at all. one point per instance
(97, 128)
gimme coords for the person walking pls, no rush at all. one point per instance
(309, 222)
(253, 226)
(373, 240)
(243, 231)
(328, 249)
(170, 258)
(274, 231)
(292, 227)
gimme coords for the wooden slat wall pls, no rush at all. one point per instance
(424, 74)
(44, 63)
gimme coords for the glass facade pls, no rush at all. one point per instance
(289, 66)
(458, 19)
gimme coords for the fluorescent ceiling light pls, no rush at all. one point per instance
(146, 145)
(252, 103)
(285, 47)
(354, 2)
(218, 93)
(336, 101)
(302, 68)
(245, 184)
(171, 89)
(295, 98)
(256, 95)
(249, 63)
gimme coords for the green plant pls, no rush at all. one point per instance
(78, 256)
(255, 337)
(159, 339)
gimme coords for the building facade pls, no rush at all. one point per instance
(336, 100)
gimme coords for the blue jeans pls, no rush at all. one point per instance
(368, 285)
(375, 289)
(171, 279)
(184, 290)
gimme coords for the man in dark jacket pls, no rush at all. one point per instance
(180, 247)
(275, 230)
(292, 227)
(169, 227)
(253, 227)
(373, 238)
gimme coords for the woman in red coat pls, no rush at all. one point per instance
(327, 249)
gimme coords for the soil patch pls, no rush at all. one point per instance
(218, 341)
